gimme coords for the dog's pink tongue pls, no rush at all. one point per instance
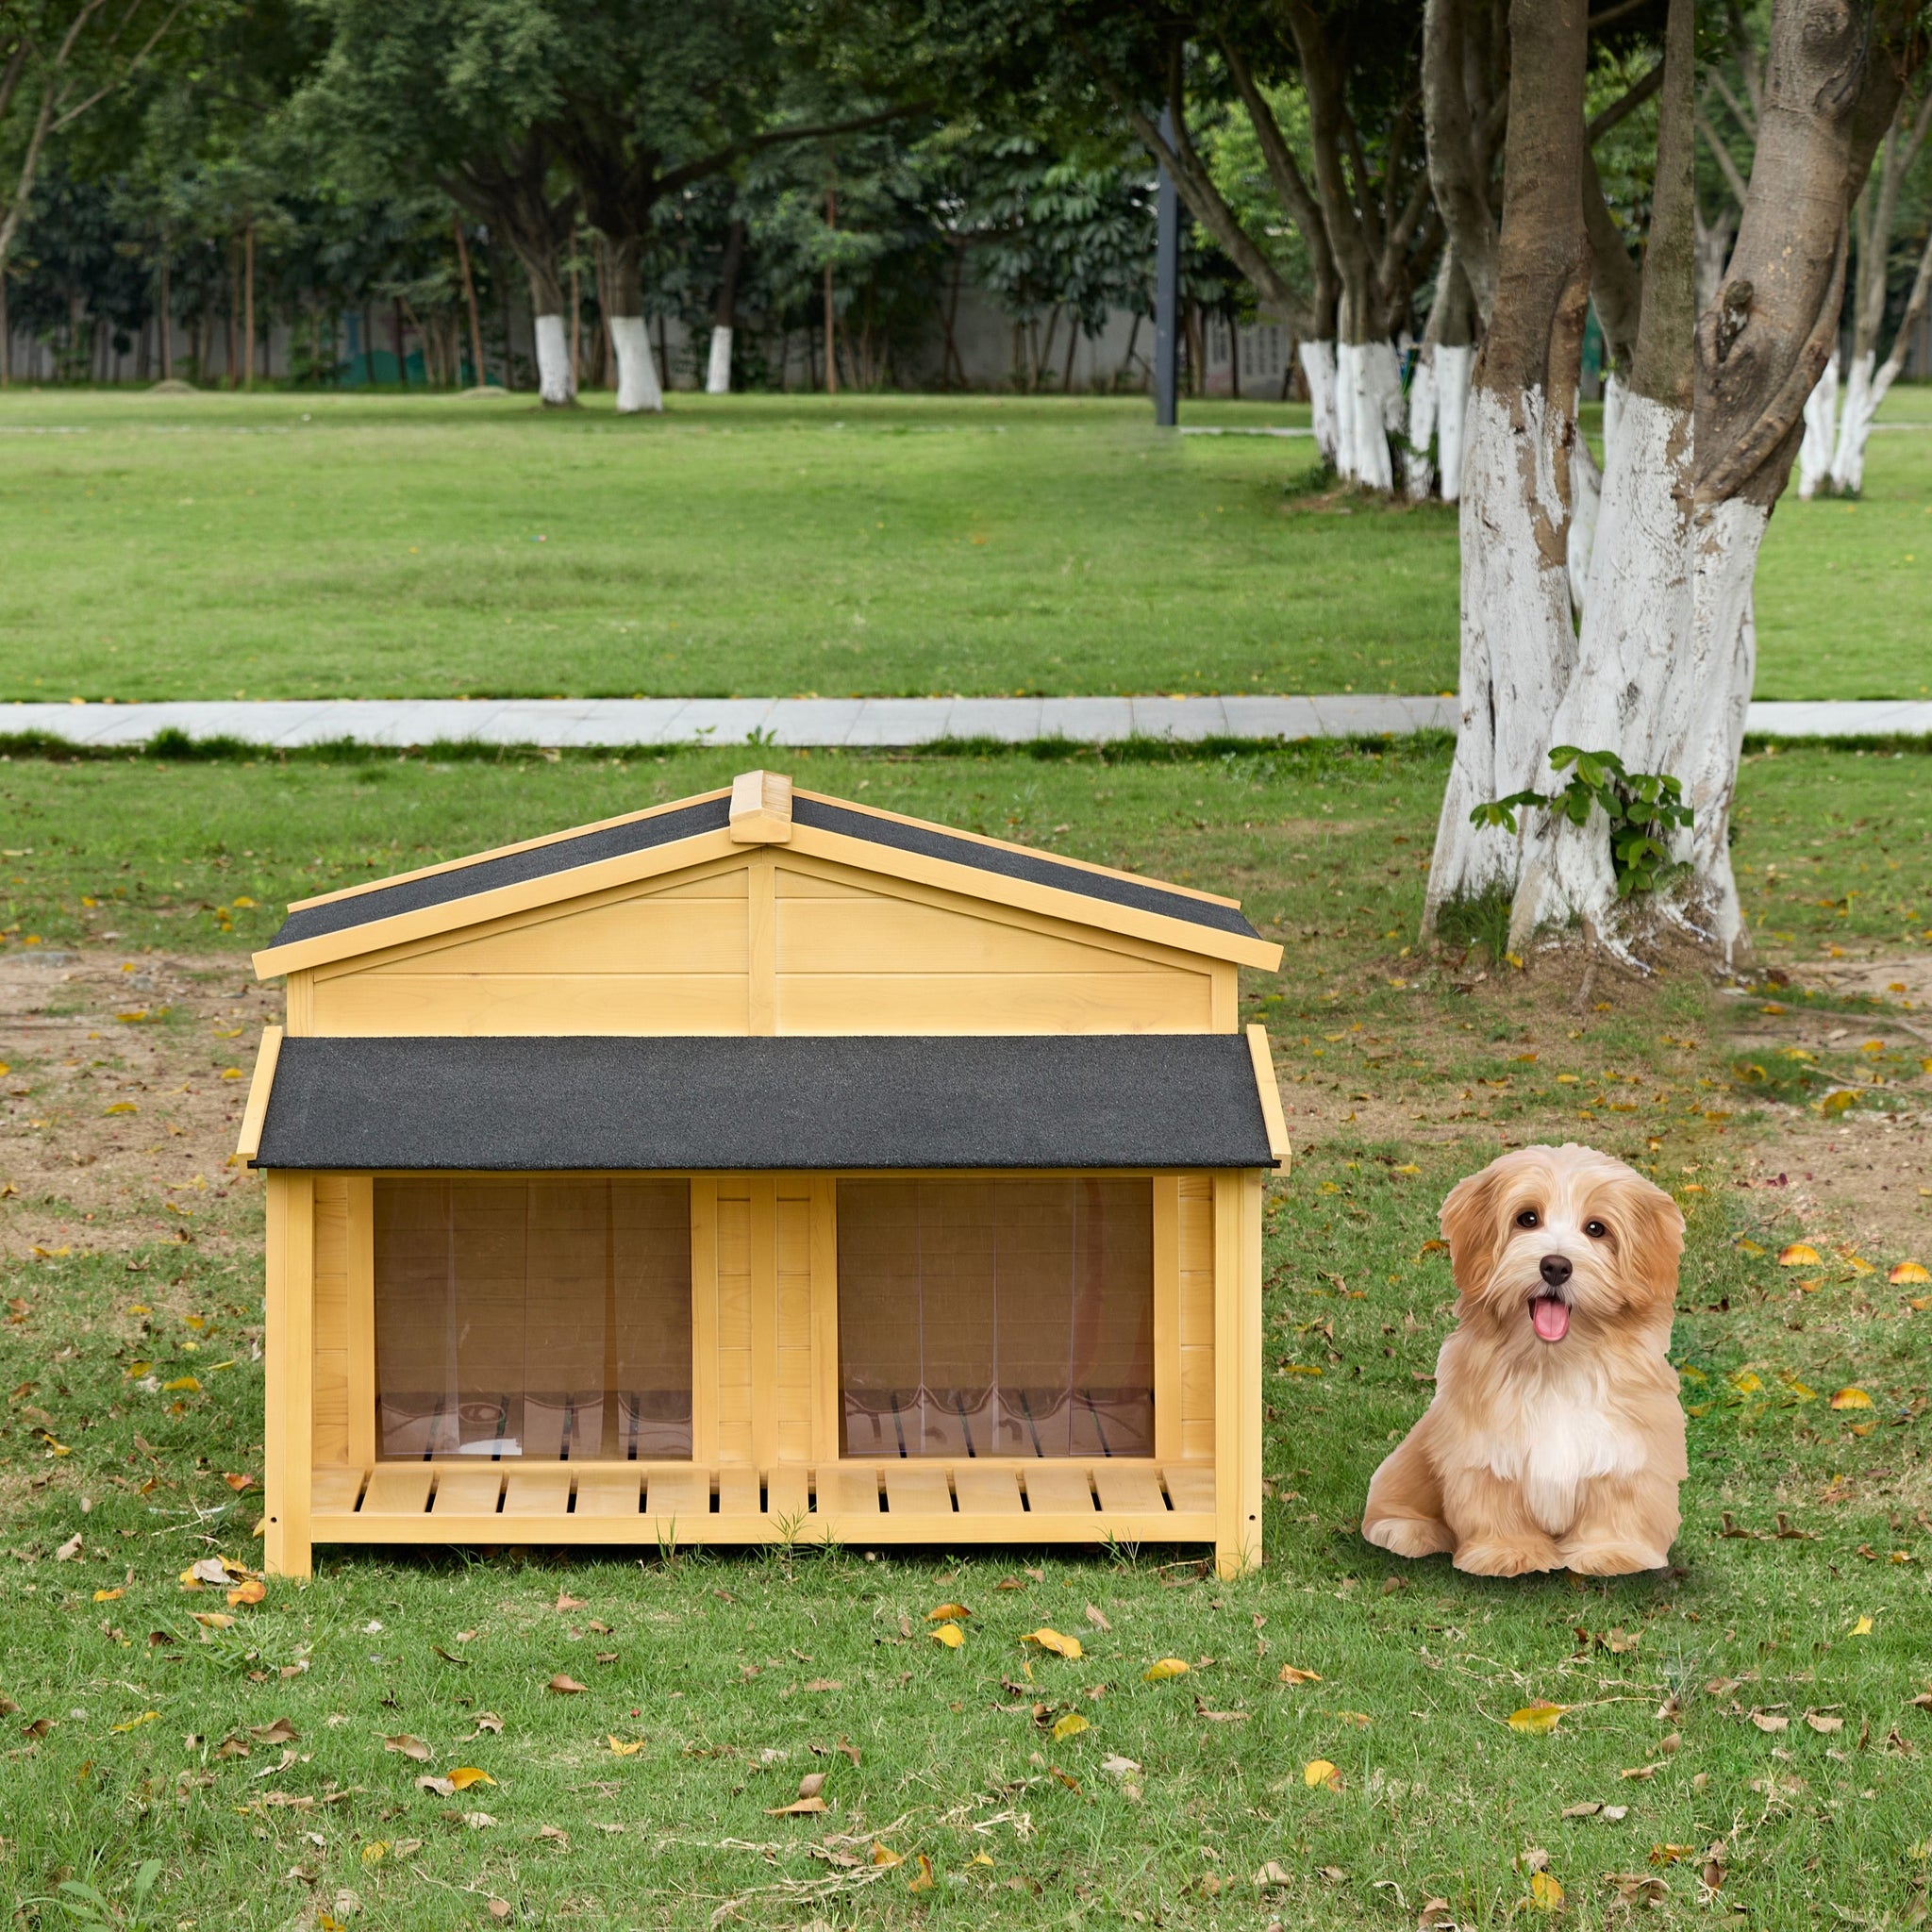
(1551, 1317)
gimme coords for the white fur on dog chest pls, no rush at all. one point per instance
(1560, 1437)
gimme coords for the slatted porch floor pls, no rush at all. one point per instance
(846, 1502)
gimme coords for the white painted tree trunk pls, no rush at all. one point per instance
(1318, 371)
(1453, 367)
(554, 382)
(1704, 751)
(1855, 426)
(1638, 684)
(1346, 393)
(1369, 377)
(718, 371)
(1586, 499)
(1821, 430)
(1518, 646)
(638, 390)
(1418, 465)
(1615, 395)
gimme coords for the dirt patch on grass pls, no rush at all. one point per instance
(116, 1120)
(1863, 1182)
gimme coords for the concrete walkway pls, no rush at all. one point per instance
(878, 722)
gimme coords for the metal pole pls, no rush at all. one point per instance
(1166, 277)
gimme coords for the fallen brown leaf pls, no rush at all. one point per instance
(566, 1687)
(1097, 1617)
(409, 1745)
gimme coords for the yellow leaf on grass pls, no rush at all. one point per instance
(1746, 1383)
(1798, 1256)
(134, 1724)
(376, 1851)
(1544, 1893)
(213, 1620)
(923, 1882)
(1167, 1667)
(1537, 1720)
(121, 1106)
(1747, 1247)
(106, 1596)
(947, 1613)
(250, 1592)
(949, 1634)
(1908, 1271)
(186, 1383)
(1070, 1726)
(1407, 1167)
(886, 1858)
(464, 1775)
(1838, 1102)
(1858, 1263)
(1290, 1675)
(1318, 1770)
(1055, 1642)
(620, 1749)
(1861, 1628)
(1850, 1398)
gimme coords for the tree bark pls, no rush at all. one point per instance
(478, 374)
(638, 391)
(725, 316)
(1518, 647)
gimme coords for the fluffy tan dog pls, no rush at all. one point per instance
(1555, 1439)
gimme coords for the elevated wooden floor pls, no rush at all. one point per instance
(987, 1501)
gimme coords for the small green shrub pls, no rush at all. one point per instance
(1642, 807)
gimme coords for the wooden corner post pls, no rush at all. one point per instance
(289, 1374)
(1238, 1371)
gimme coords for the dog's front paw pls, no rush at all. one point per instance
(1411, 1536)
(1506, 1558)
(1611, 1559)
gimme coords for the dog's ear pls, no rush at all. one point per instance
(1468, 1225)
(1656, 1234)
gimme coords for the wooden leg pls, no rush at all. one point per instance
(289, 1374)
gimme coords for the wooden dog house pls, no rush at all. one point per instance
(763, 1166)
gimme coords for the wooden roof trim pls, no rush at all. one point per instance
(452, 915)
(1269, 1091)
(1109, 871)
(425, 872)
(249, 1144)
(1078, 908)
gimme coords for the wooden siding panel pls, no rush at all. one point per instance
(331, 1343)
(734, 1322)
(359, 1004)
(794, 1440)
(889, 1002)
(1194, 1204)
(867, 933)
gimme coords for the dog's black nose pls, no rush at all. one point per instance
(1555, 1269)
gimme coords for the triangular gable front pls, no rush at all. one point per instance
(676, 843)
(769, 940)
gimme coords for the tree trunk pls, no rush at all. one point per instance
(1820, 427)
(724, 317)
(248, 306)
(1518, 647)
(1317, 360)
(638, 391)
(477, 372)
(167, 320)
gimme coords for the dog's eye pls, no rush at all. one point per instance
(1529, 1218)
(1596, 1230)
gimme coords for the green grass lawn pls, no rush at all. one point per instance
(284, 545)
(736, 1676)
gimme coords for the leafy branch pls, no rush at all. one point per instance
(1642, 807)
